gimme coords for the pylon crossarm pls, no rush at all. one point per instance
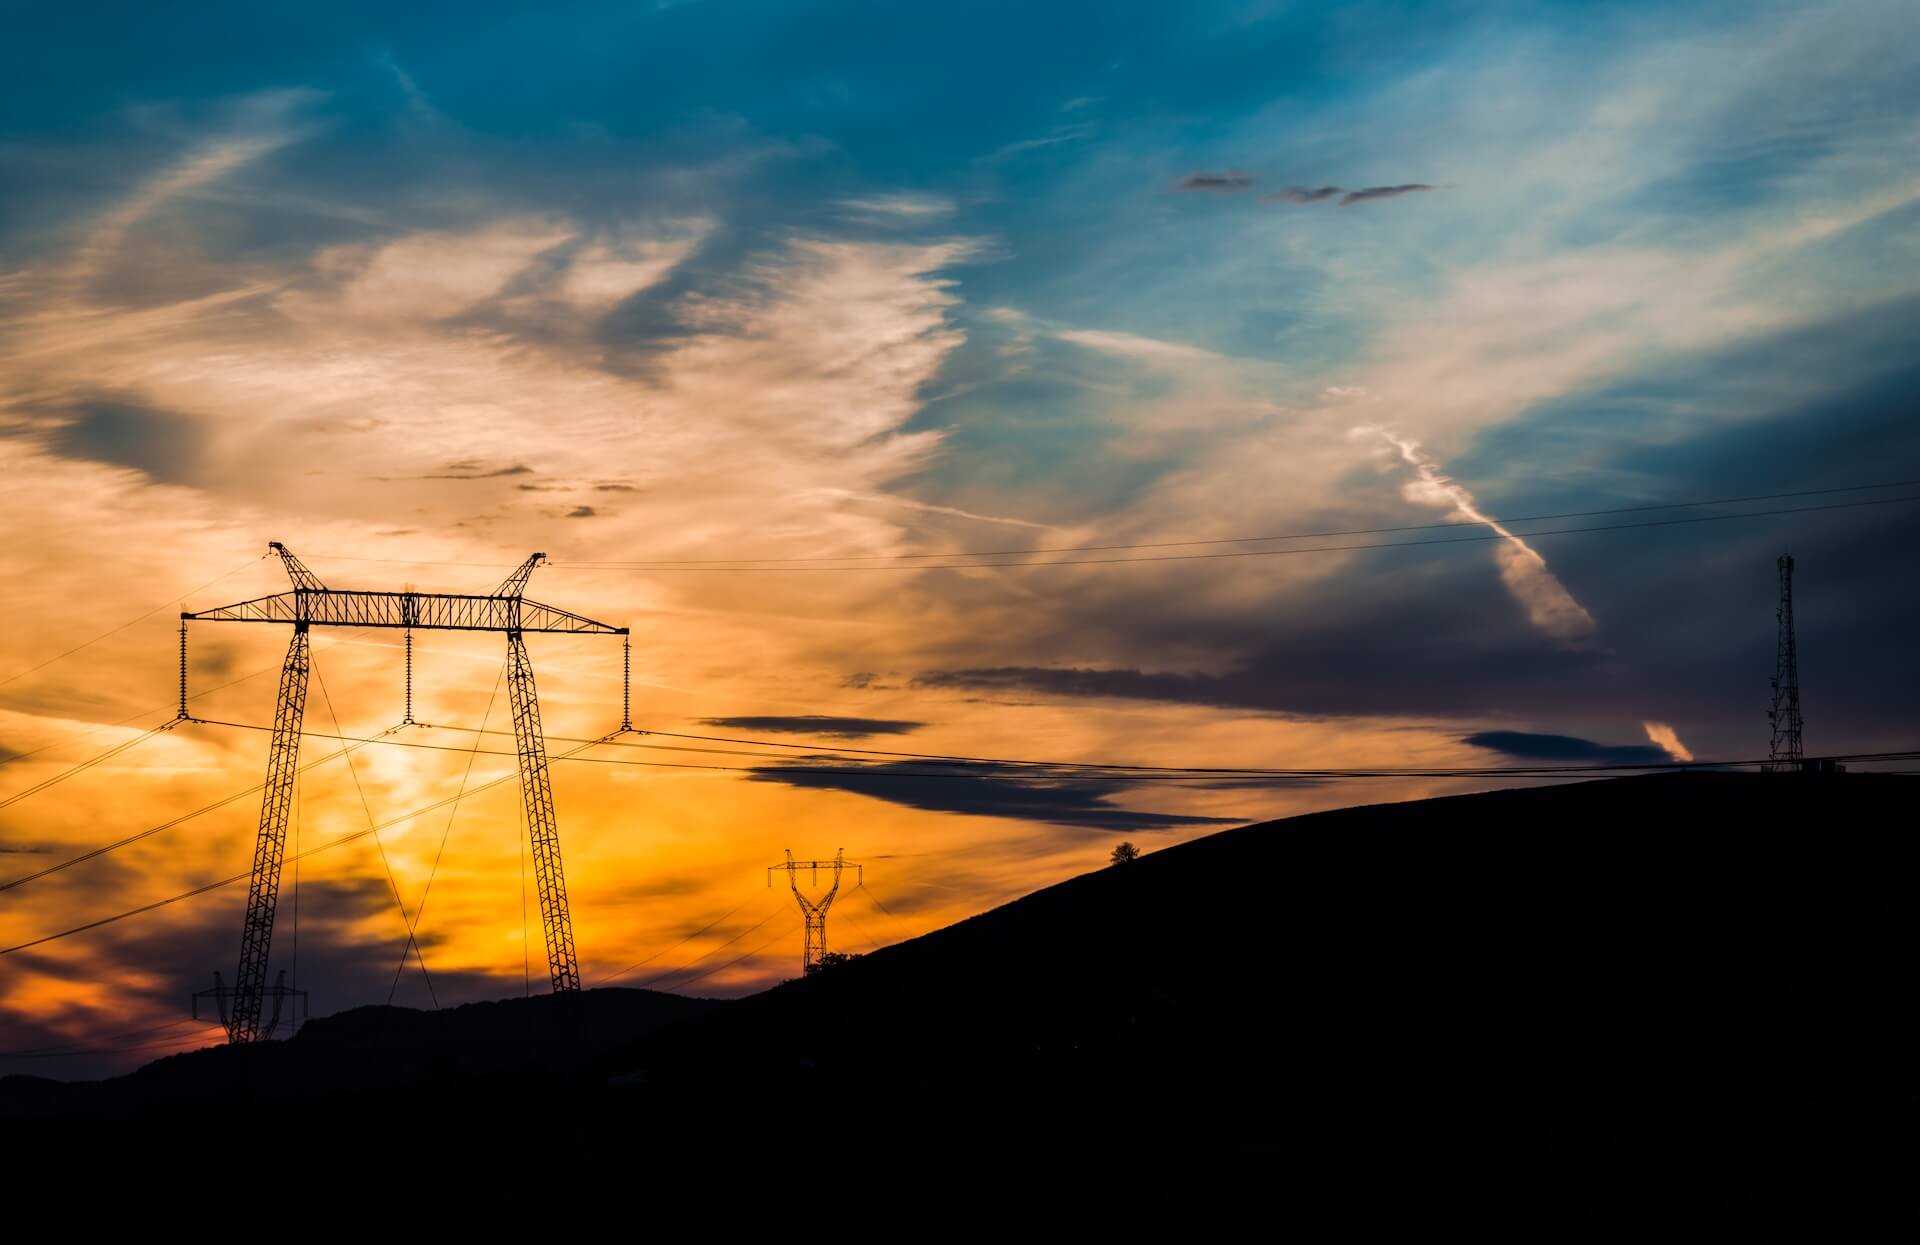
(427, 611)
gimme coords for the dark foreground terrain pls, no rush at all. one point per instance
(1641, 1004)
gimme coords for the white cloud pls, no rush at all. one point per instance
(1666, 737)
(899, 209)
(1139, 349)
(605, 273)
(432, 275)
(1548, 604)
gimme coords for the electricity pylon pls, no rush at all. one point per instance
(814, 948)
(1784, 751)
(313, 604)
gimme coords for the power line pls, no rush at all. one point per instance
(1242, 553)
(653, 981)
(876, 903)
(127, 1035)
(745, 955)
(835, 752)
(873, 944)
(526, 954)
(785, 932)
(683, 942)
(399, 901)
(1039, 771)
(87, 764)
(123, 626)
(70, 1051)
(351, 837)
(218, 687)
(354, 836)
(1247, 540)
(420, 913)
(85, 856)
(1743, 499)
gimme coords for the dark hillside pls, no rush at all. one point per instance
(1702, 938)
(1651, 999)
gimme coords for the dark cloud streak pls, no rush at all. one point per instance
(455, 473)
(816, 724)
(1230, 182)
(1383, 192)
(1303, 195)
(1534, 747)
(166, 446)
(1053, 802)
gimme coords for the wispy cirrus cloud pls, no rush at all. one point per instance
(898, 209)
(1071, 133)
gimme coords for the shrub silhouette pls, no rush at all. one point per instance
(832, 959)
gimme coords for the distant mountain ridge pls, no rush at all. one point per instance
(381, 1047)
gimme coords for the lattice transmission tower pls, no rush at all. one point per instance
(313, 604)
(814, 948)
(1784, 750)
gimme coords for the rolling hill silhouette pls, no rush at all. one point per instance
(1636, 994)
(1633, 939)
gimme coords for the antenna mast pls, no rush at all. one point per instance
(1784, 753)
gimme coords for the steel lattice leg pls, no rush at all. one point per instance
(543, 826)
(816, 944)
(276, 804)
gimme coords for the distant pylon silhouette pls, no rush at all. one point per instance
(814, 948)
(1784, 753)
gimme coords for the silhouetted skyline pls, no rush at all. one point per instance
(676, 291)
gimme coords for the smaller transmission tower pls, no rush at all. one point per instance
(815, 910)
(1784, 753)
(279, 992)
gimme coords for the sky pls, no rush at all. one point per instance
(420, 290)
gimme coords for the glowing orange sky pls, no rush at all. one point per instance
(222, 329)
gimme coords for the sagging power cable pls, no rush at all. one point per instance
(341, 841)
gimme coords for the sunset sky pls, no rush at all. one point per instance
(421, 289)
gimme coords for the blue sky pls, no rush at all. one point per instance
(421, 287)
(1626, 218)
